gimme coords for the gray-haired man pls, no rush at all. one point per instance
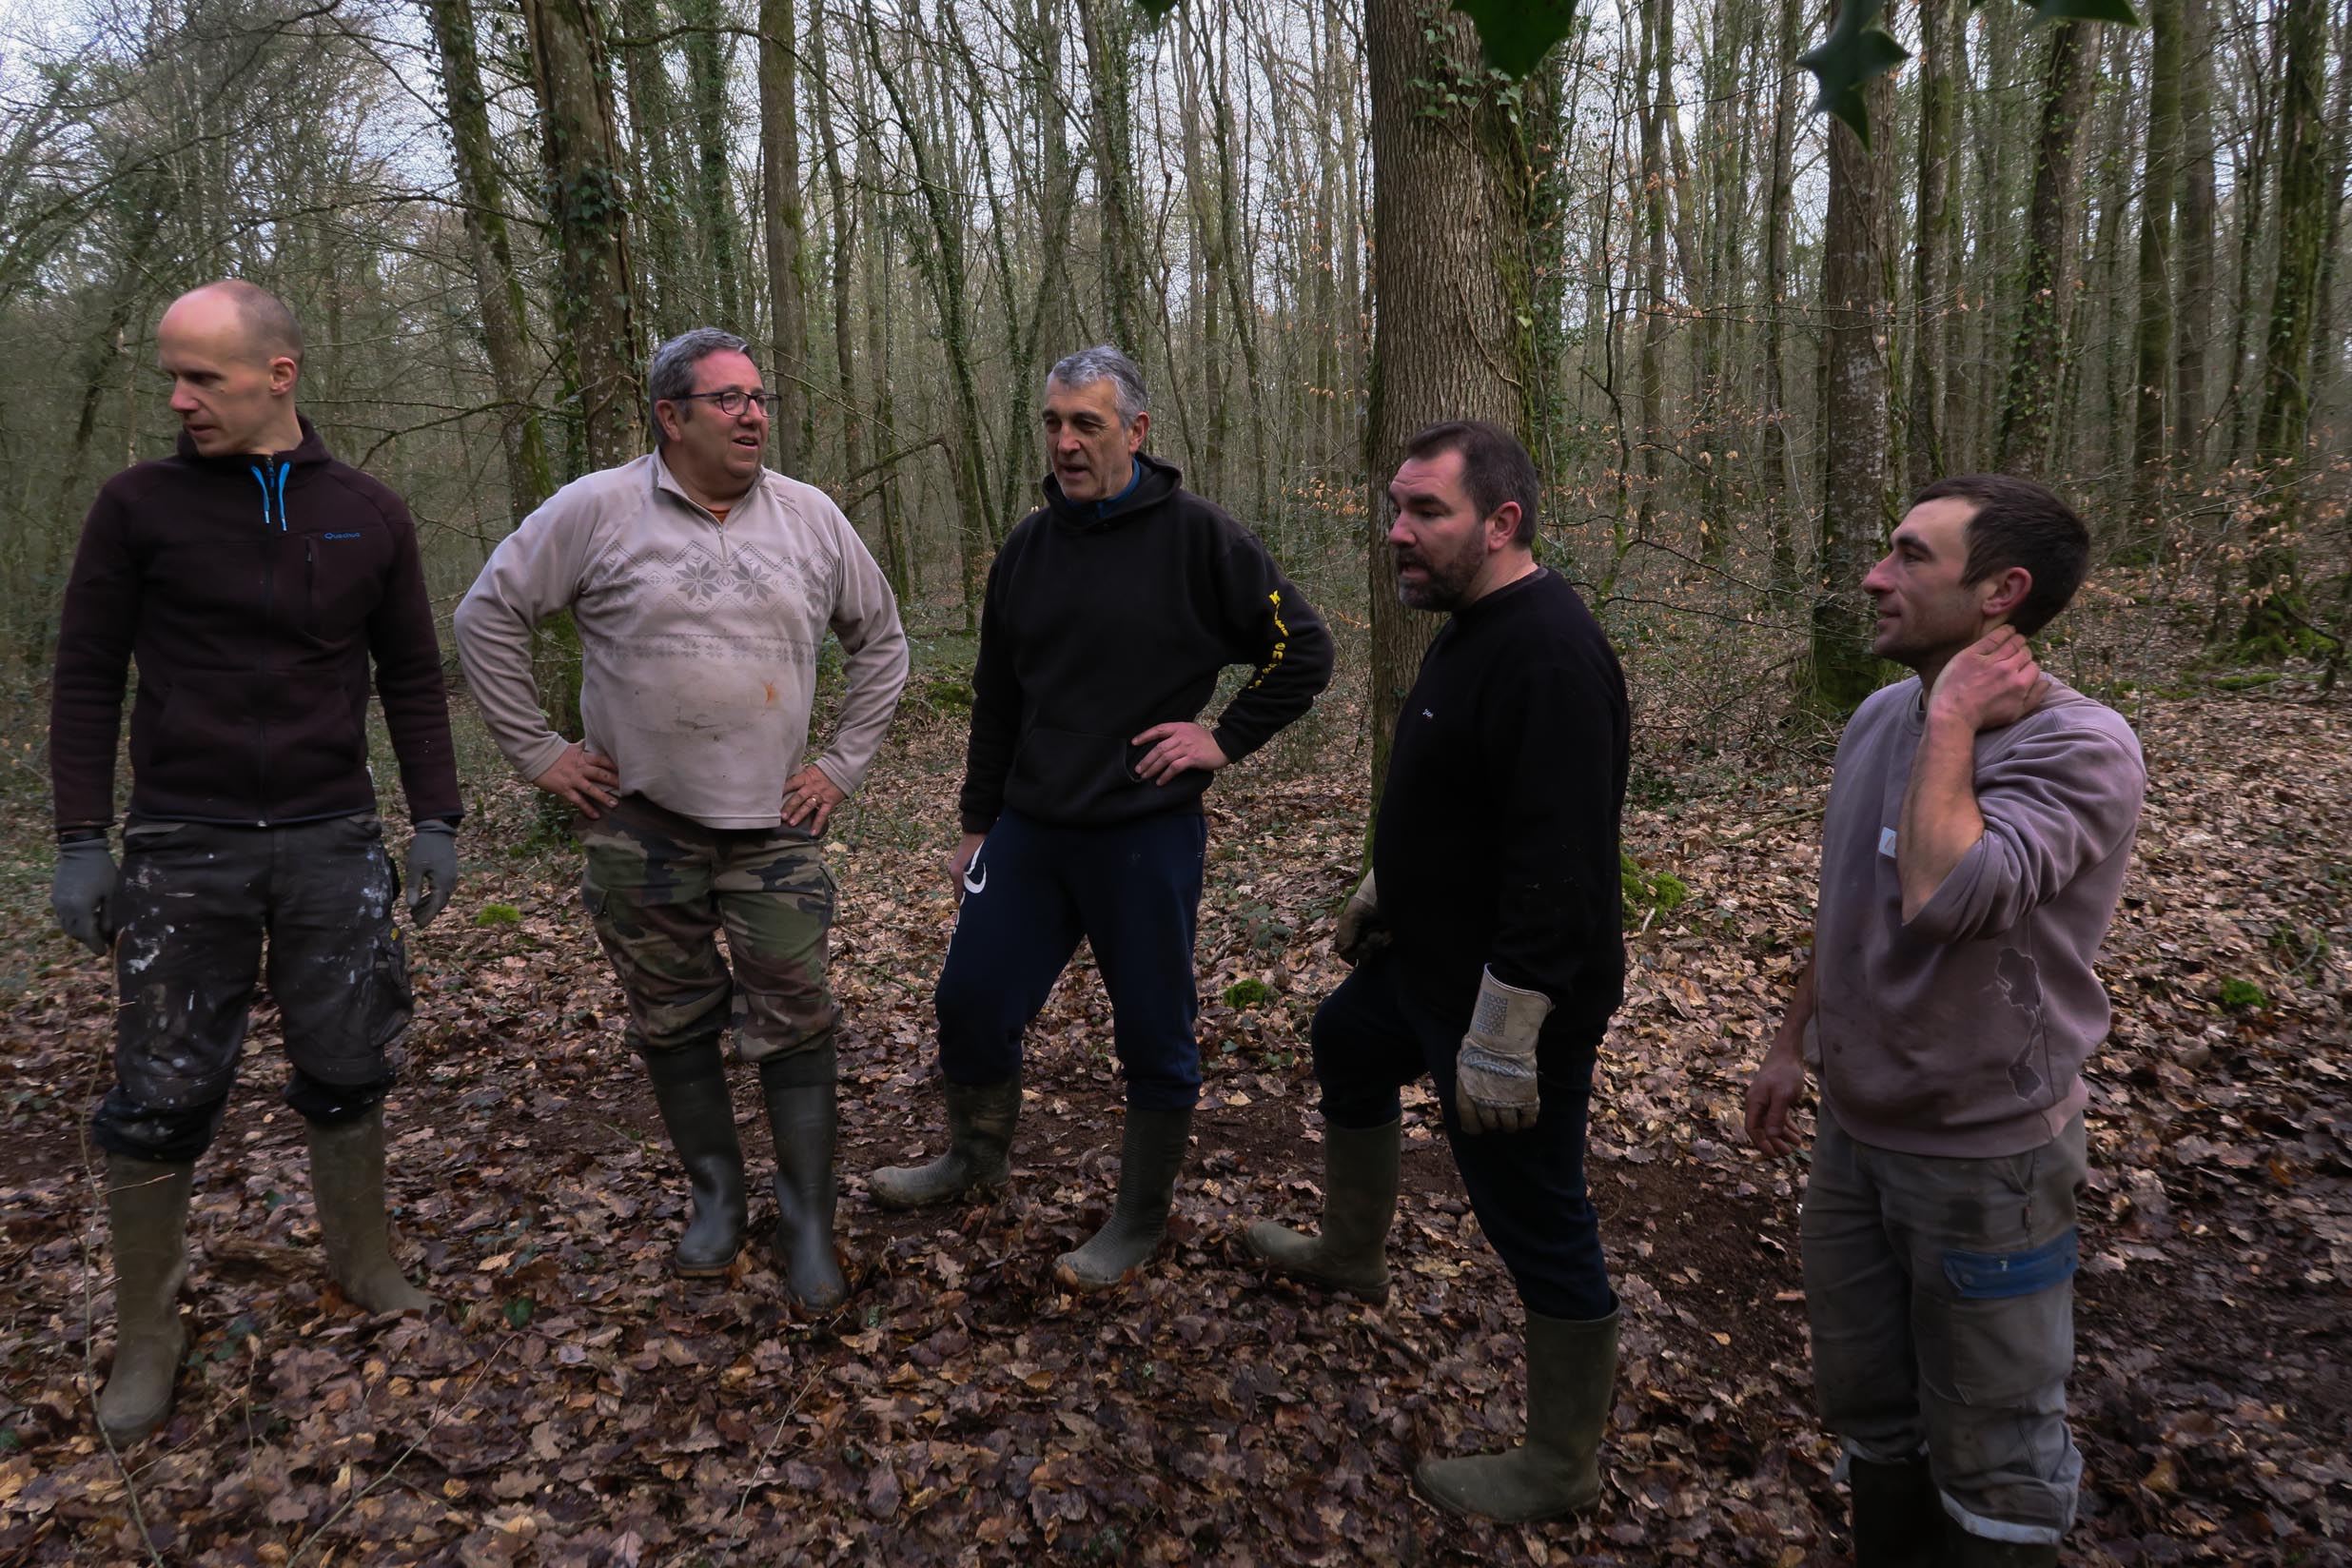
(1112, 610)
(703, 584)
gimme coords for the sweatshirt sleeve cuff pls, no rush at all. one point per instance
(539, 755)
(843, 779)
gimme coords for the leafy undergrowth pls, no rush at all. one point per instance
(578, 1406)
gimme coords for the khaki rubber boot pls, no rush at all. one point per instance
(804, 1116)
(690, 1086)
(347, 1182)
(146, 1209)
(981, 1118)
(1151, 1153)
(1360, 1202)
(1571, 1377)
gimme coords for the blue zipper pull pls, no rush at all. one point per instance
(283, 469)
(255, 469)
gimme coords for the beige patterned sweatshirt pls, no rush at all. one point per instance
(698, 640)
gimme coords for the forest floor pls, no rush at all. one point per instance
(578, 1406)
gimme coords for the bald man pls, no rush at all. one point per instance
(254, 579)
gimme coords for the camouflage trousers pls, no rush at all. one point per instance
(661, 887)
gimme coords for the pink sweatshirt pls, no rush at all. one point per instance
(1964, 1032)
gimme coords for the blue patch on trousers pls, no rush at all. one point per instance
(1996, 1276)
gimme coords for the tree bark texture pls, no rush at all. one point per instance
(2037, 358)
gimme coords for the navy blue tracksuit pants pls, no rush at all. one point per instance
(1133, 891)
(1527, 1187)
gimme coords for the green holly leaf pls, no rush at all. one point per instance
(2085, 11)
(1516, 34)
(1857, 49)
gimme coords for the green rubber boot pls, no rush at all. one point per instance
(1360, 1202)
(346, 1182)
(803, 1116)
(980, 1120)
(1151, 1153)
(146, 1209)
(1899, 1521)
(1571, 1377)
(690, 1086)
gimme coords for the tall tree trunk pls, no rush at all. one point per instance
(2030, 410)
(1108, 35)
(2193, 328)
(1779, 459)
(595, 289)
(897, 548)
(1650, 71)
(658, 189)
(2248, 199)
(787, 276)
(2274, 605)
(715, 207)
(1853, 412)
(2152, 333)
(1450, 187)
(843, 212)
(1932, 246)
(2326, 347)
(497, 288)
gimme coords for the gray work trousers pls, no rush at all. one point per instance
(1941, 1296)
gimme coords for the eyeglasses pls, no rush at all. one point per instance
(731, 401)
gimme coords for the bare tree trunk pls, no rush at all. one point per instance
(2274, 597)
(1107, 32)
(1780, 462)
(2030, 411)
(1853, 413)
(498, 290)
(595, 289)
(1449, 193)
(2152, 333)
(1651, 74)
(715, 207)
(788, 372)
(658, 190)
(2193, 334)
(1930, 249)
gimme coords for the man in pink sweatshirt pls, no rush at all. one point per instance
(1979, 825)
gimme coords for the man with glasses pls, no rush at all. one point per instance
(702, 584)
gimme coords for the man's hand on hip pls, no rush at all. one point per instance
(959, 864)
(809, 798)
(1494, 1084)
(83, 893)
(431, 870)
(1176, 748)
(582, 777)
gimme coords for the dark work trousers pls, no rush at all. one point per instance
(1133, 891)
(197, 906)
(1527, 1187)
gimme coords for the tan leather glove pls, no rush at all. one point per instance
(1360, 930)
(1494, 1070)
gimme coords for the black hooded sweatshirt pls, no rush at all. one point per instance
(1105, 619)
(254, 592)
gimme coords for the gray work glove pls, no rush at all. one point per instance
(1360, 931)
(431, 869)
(83, 893)
(1495, 1070)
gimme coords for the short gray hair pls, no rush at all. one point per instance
(1104, 363)
(673, 373)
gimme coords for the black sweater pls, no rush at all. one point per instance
(1103, 619)
(254, 592)
(1496, 843)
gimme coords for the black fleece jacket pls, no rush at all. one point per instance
(254, 592)
(1497, 842)
(1103, 619)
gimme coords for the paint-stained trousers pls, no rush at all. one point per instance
(199, 906)
(661, 887)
